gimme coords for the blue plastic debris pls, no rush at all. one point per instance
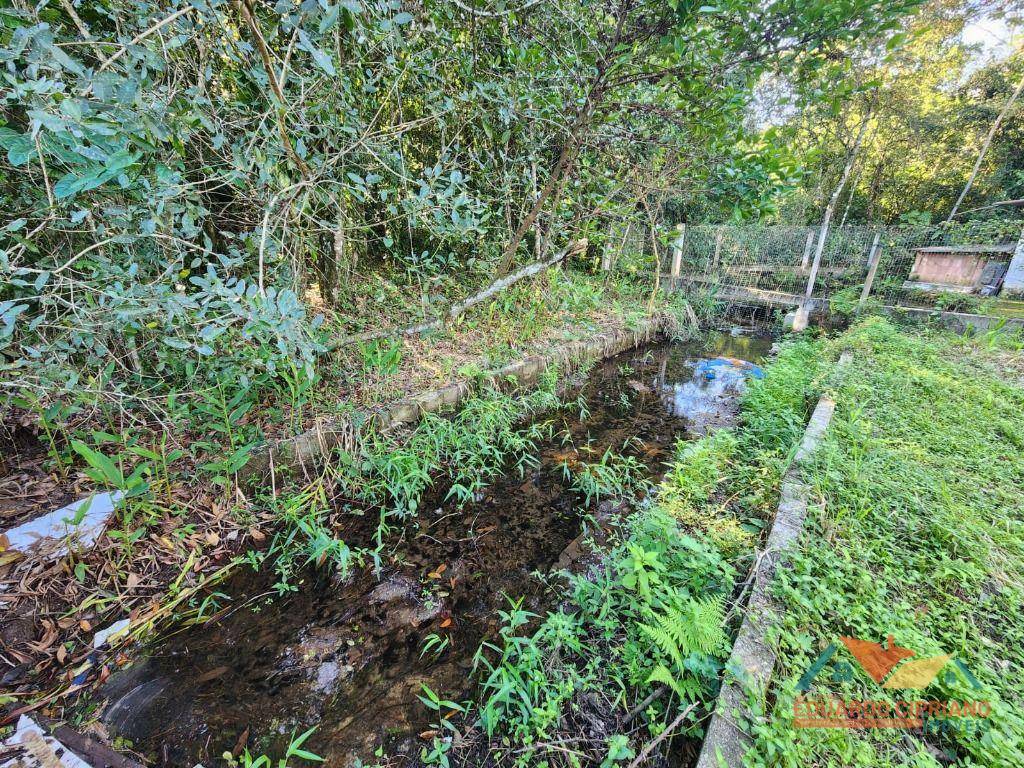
(709, 368)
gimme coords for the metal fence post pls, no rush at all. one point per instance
(677, 252)
(874, 256)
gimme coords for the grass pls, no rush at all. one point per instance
(917, 534)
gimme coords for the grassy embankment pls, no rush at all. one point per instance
(917, 534)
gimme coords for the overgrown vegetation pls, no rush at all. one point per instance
(916, 536)
(639, 643)
(230, 221)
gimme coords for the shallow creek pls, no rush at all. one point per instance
(346, 657)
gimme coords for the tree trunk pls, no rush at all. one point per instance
(830, 209)
(984, 148)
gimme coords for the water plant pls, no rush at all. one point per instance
(294, 752)
(613, 475)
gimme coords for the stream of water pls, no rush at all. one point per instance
(347, 657)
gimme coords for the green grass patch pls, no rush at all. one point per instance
(918, 535)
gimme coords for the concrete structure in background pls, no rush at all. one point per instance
(1013, 282)
(959, 268)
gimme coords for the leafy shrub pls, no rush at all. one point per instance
(653, 616)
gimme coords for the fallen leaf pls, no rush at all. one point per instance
(48, 638)
(446, 623)
(213, 674)
(428, 734)
(437, 574)
(10, 557)
(240, 744)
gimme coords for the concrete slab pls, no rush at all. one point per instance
(78, 525)
(39, 749)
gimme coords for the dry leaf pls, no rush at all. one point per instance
(446, 623)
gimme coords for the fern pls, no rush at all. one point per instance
(664, 639)
(692, 626)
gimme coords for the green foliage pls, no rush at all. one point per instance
(912, 539)
(181, 180)
(469, 447)
(305, 537)
(381, 356)
(699, 467)
(294, 750)
(932, 102)
(652, 616)
(614, 474)
(948, 301)
(775, 408)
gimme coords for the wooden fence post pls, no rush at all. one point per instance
(874, 256)
(677, 251)
(805, 261)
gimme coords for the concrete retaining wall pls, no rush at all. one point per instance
(303, 451)
(752, 660)
(959, 322)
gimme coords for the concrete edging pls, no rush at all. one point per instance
(954, 321)
(752, 660)
(302, 451)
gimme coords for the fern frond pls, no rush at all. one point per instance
(665, 640)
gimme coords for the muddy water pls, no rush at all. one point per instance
(348, 657)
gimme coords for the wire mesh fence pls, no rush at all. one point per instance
(958, 268)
